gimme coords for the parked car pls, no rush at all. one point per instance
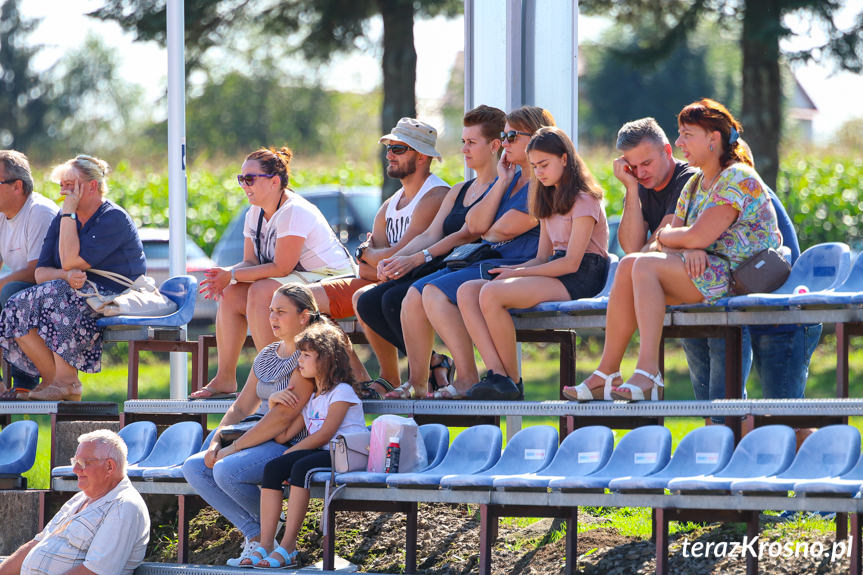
(350, 211)
(155, 242)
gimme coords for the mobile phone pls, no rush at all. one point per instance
(485, 271)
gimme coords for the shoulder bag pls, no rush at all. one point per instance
(467, 254)
(141, 298)
(764, 272)
(350, 451)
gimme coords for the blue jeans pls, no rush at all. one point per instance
(781, 359)
(17, 379)
(232, 486)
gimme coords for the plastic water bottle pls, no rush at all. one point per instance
(800, 289)
(393, 453)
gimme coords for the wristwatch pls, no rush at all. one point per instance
(234, 276)
(73, 216)
(359, 251)
(427, 255)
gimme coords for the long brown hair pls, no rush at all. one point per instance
(530, 118)
(576, 179)
(713, 116)
(334, 362)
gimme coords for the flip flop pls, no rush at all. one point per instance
(210, 394)
(9, 395)
(444, 363)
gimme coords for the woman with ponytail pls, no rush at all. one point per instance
(287, 240)
(724, 216)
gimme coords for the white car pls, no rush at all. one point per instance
(155, 242)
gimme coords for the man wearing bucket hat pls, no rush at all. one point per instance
(410, 151)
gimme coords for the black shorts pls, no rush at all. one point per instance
(588, 280)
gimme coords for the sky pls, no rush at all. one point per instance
(438, 41)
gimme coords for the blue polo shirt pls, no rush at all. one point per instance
(109, 241)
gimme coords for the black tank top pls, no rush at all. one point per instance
(455, 219)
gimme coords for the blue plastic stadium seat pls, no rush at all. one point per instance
(828, 452)
(762, 452)
(436, 439)
(599, 301)
(849, 292)
(847, 484)
(820, 268)
(474, 450)
(18, 442)
(703, 451)
(642, 451)
(139, 438)
(183, 290)
(172, 448)
(582, 452)
(529, 451)
(175, 472)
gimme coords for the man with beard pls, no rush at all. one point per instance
(407, 213)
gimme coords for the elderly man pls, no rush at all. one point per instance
(103, 529)
(24, 219)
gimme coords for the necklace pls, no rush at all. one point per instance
(712, 181)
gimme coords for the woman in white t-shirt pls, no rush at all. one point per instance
(571, 260)
(333, 409)
(287, 240)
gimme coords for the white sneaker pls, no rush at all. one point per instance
(248, 548)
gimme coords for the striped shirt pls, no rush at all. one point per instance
(273, 372)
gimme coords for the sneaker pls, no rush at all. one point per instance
(248, 548)
(496, 387)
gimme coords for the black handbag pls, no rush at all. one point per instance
(230, 433)
(467, 254)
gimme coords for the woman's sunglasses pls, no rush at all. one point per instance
(249, 179)
(397, 149)
(512, 135)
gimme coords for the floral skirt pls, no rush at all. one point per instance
(714, 282)
(61, 318)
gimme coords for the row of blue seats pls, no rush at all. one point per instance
(828, 461)
(824, 269)
(155, 459)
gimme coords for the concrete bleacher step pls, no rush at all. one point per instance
(342, 566)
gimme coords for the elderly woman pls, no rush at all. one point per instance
(287, 240)
(724, 216)
(49, 329)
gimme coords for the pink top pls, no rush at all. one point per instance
(560, 225)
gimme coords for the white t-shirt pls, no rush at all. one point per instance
(315, 411)
(21, 237)
(299, 217)
(398, 219)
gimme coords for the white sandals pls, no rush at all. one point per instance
(582, 392)
(636, 393)
(404, 391)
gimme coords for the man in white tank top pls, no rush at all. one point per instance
(407, 213)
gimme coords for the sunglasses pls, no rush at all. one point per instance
(249, 179)
(9, 181)
(397, 149)
(512, 135)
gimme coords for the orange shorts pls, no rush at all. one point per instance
(340, 291)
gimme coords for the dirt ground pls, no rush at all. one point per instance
(448, 544)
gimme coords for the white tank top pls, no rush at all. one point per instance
(399, 219)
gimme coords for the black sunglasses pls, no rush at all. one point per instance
(249, 179)
(397, 149)
(10, 181)
(512, 135)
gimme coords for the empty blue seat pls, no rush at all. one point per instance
(828, 452)
(642, 451)
(436, 439)
(763, 451)
(530, 450)
(182, 290)
(18, 442)
(849, 292)
(820, 268)
(475, 449)
(139, 437)
(847, 484)
(175, 472)
(172, 448)
(582, 452)
(702, 451)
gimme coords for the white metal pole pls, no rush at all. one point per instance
(177, 170)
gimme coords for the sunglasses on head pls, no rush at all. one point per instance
(512, 135)
(397, 149)
(249, 179)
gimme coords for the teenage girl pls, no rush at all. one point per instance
(571, 261)
(333, 409)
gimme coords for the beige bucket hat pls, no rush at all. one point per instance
(418, 135)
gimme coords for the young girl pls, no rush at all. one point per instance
(333, 409)
(571, 260)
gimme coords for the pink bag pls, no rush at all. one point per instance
(413, 450)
